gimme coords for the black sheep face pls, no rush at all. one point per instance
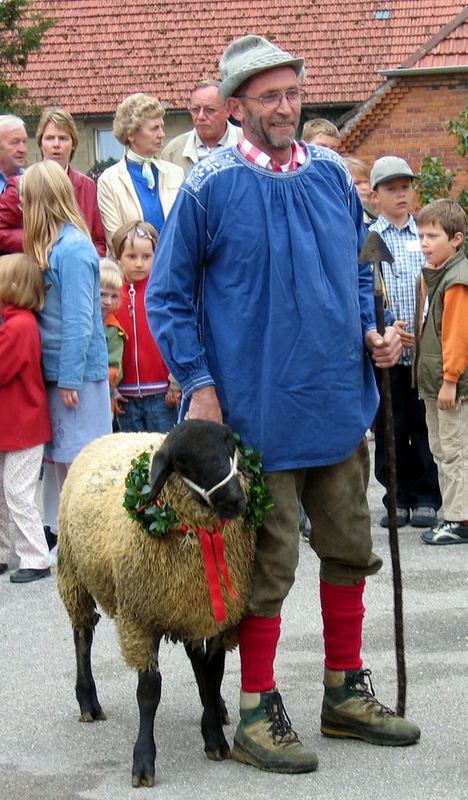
(201, 451)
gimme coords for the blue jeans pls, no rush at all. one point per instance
(147, 414)
(417, 481)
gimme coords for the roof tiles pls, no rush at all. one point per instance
(98, 52)
(450, 52)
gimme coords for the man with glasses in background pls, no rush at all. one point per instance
(212, 129)
(265, 319)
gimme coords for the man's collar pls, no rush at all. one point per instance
(4, 180)
(252, 153)
(382, 224)
(220, 143)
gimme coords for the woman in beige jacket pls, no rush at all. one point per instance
(141, 186)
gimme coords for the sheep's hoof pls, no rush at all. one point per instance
(143, 780)
(219, 755)
(143, 766)
(96, 715)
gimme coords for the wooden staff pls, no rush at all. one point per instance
(375, 251)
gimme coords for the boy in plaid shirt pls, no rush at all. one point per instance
(418, 495)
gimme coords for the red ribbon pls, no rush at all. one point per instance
(212, 547)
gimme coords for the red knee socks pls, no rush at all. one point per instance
(342, 614)
(258, 637)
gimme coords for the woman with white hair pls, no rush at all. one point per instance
(141, 186)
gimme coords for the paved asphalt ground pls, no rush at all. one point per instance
(46, 754)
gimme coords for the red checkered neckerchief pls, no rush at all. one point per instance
(261, 159)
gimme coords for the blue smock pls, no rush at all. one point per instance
(256, 289)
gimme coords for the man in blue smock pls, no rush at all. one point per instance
(267, 322)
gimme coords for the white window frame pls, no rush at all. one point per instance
(111, 149)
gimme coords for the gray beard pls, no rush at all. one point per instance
(279, 142)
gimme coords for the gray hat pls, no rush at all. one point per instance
(249, 55)
(387, 168)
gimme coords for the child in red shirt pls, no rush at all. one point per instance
(24, 423)
(146, 401)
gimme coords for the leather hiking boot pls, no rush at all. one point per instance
(265, 739)
(351, 710)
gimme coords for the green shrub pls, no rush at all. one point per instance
(99, 167)
(433, 180)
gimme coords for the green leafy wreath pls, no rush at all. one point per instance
(159, 518)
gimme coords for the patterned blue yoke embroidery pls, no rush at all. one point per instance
(229, 157)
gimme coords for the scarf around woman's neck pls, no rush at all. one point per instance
(146, 161)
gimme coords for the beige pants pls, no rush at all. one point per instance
(335, 500)
(448, 440)
(19, 473)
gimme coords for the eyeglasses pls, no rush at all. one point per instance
(274, 99)
(208, 110)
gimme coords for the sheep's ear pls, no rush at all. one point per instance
(161, 468)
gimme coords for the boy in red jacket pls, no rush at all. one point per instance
(146, 401)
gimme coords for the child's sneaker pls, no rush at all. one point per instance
(447, 532)
(402, 518)
(423, 517)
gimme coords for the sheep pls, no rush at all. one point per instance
(155, 586)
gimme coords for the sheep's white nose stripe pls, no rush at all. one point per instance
(205, 493)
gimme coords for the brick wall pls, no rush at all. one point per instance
(410, 120)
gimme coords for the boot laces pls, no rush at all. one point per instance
(281, 728)
(360, 684)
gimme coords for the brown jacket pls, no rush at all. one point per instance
(442, 344)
